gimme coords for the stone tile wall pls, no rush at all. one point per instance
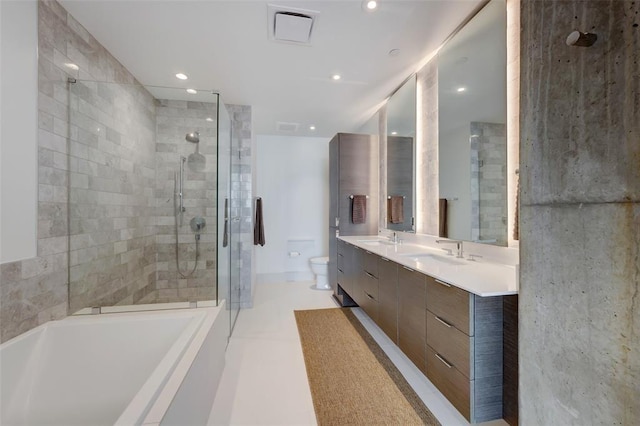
(34, 291)
(488, 145)
(579, 299)
(174, 120)
(112, 194)
(242, 202)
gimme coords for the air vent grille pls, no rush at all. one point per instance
(291, 25)
(283, 127)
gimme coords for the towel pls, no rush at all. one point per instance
(395, 209)
(443, 231)
(258, 226)
(359, 209)
(225, 235)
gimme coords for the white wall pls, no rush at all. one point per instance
(292, 177)
(18, 141)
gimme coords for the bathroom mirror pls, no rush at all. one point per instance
(472, 123)
(400, 173)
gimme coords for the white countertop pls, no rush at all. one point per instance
(478, 277)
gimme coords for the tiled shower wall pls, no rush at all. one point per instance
(112, 194)
(242, 202)
(488, 145)
(35, 290)
(107, 159)
(174, 120)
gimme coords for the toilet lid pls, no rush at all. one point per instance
(320, 260)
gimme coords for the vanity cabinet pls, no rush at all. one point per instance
(412, 315)
(464, 349)
(367, 294)
(388, 298)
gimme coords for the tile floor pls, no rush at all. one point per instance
(265, 381)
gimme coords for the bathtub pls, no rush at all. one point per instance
(136, 368)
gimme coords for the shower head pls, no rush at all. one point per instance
(193, 137)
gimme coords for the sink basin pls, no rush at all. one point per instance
(418, 257)
(376, 242)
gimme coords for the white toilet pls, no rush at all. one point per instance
(320, 267)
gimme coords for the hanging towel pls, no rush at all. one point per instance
(395, 209)
(359, 209)
(225, 235)
(258, 226)
(443, 231)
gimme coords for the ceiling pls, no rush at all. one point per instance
(225, 46)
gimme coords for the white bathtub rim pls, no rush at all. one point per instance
(141, 404)
(170, 389)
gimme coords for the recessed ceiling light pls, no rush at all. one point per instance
(312, 127)
(181, 76)
(394, 133)
(72, 66)
(370, 4)
(461, 89)
(192, 91)
(209, 119)
(336, 77)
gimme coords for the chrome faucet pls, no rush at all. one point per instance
(458, 244)
(394, 238)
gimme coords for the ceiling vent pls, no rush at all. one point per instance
(287, 127)
(291, 25)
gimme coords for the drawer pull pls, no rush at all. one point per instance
(340, 270)
(443, 361)
(385, 259)
(369, 296)
(408, 269)
(442, 282)
(442, 321)
(371, 275)
(340, 255)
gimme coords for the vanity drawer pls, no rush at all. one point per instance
(370, 285)
(451, 343)
(450, 303)
(371, 263)
(451, 382)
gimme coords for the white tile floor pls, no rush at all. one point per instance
(265, 381)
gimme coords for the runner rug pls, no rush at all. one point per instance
(352, 380)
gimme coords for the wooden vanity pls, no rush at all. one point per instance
(453, 336)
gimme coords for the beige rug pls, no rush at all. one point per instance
(352, 381)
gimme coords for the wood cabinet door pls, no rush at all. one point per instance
(412, 319)
(388, 298)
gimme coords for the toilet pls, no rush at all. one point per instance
(320, 267)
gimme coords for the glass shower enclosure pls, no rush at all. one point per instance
(148, 197)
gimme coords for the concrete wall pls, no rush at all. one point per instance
(292, 177)
(580, 215)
